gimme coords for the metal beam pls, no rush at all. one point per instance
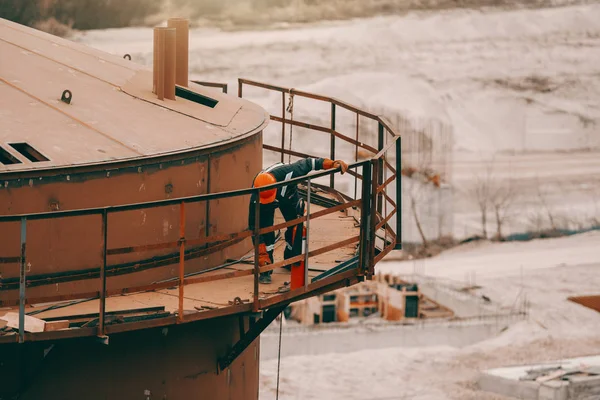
(253, 333)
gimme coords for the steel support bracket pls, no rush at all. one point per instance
(254, 332)
(103, 339)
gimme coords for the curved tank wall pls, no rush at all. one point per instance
(66, 245)
(174, 363)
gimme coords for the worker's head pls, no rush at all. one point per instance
(265, 179)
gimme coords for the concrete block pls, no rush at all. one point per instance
(584, 388)
(553, 390)
(509, 387)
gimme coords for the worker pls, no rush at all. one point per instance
(288, 201)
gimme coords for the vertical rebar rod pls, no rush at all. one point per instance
(102, 311)
(23, 265)
(307, 233)
(399, 194)
(181, 258)
(332, 145)
(256, 251)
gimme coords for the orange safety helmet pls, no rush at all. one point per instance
(265, 179)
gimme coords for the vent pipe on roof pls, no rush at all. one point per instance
(163, 76)
(181, 26)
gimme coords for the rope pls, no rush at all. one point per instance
(290, 109)
(279, 354)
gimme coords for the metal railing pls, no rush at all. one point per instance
(372, 243)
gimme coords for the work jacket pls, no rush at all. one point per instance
(287, 200)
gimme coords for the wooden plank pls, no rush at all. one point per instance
(56, 325)
(32, 324)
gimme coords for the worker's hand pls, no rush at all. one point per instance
(263, 255)
(340, 164)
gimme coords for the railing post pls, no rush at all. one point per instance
(102, 311)
(365, 216)
(332, 145)
(380, 144)
(181, 259)
(22, 280)
(356, 155)
(256, 251)
(240, 83)
(307, 233)
(398, 194)
(373, 220)
(282, 124)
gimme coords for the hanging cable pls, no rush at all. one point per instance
(290, 109)
(279, 354)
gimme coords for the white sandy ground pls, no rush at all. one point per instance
(547, 271)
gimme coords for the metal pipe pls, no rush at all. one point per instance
(398, 194)
(182, 29)
(22, 281)
(307, 234)
(101, 313)
(159, 59)
(170, 62)
(332, 145)
(181, 258)
(156, 61)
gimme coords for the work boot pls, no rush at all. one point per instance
(265, 278)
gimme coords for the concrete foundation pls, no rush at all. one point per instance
(342, 338)
(566, 385)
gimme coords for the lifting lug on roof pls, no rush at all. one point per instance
(127, 57)
(66, 96)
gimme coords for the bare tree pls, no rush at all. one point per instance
(496, 193)
(480, 192)
(502, 196)
(415, 193)
(545, 206)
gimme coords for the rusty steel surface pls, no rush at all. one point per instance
(105, 121)
(592, 302)
(66, 245)
(175, 363)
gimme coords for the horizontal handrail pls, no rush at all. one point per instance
(169, 202)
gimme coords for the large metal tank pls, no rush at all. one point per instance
(80, 128)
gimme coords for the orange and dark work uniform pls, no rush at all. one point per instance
(288, 201)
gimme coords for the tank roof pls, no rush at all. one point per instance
(113, 114)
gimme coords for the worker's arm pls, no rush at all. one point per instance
(306, 165)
